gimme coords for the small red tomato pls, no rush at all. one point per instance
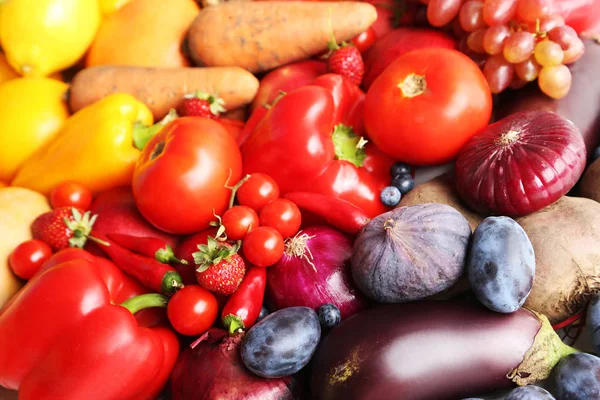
(71, 194)
(263, 246)
(192, 310)
(283, 215)
(257, 191)
(28, 257)
(238, 221)
(365, 40)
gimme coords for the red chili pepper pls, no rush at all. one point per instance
(341, 214)
(148, 271)
(243, 307)
(147, 246)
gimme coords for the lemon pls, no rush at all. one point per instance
(6, 71)
(108, 7)
(32, 112)
(40, 37)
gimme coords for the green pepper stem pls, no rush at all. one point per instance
(142, 133)
(143, 301)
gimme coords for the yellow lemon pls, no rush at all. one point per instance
(32, 112)
(40, 37)
(108, 7)
(6, 71)
(18, 208)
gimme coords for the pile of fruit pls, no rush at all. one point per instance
(379, 199)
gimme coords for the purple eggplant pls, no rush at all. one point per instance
(433, 351)
(581, 105)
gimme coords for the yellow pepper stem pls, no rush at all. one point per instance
(142, 133)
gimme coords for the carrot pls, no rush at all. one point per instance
(260, 36)
(162, 88)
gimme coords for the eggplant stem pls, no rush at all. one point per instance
(297, 247)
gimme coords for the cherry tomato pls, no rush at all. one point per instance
(71, 194)
(426, 105)
(365, 40)
(238, 221)
(192, 310)
(257, 191)
(263, 246)
(283, 215)
(28, 257)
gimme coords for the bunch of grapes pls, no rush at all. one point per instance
(515, 41)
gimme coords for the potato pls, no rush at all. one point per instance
(565, 237)
(590, 183)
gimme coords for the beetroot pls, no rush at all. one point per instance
(314, 270)
(211, 369)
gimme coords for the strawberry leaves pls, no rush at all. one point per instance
(213, 253)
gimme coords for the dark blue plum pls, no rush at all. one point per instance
(399, 168)
(263, 313)
(501, 264)
(390, 196)
(577, 377)
(329, 315)
(529, 393)
(596, 154)
(282, 343)
(405, 183)
(593, 321)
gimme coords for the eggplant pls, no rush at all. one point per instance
(581, 105)
(433, 350)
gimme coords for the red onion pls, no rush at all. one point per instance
(211, 368)
(315, 270)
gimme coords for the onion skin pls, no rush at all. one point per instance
(423, 351)
(294, 282)
(520, 164)
(211, 369)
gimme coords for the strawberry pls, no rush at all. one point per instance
(202, 104)
(63, 227)
(347, 61)
(219, 268)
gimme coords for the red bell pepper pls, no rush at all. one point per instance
(243, 307)
(310, 140)
(62, 337)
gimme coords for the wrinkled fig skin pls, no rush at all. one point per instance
(434, 350)
(590, 183)
(410, 253)
(282, 343)
(592, 321)
(529, 393)
(501, 264)
(565, 237)
(580, 105)
(577, 377)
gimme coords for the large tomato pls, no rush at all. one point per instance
(426, 105)
(181, 176)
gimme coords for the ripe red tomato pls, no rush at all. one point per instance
(238, 221)
(71, 194)
(192, 310)
(426, 105)
(263, 246)
(283, 215)
(257, 191)
(181, 176)
(365, 40)
(28, 257)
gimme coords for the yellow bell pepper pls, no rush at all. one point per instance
(95, 147)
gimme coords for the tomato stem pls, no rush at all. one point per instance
(235, 188)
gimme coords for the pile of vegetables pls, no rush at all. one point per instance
(372, 199)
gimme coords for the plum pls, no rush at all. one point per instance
(593, 321)
(529, 393)
(501, 264)
(282, 343)
(577, 377)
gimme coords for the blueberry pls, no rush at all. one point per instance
(263, 313)
(529, 393)
(398, 169)
(501, 264)
(405, 183)
(329, 315)
(577, 377)
(596, 154)
(390, 196)
(593, 321)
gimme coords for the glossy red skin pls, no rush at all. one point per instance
(580, 105)
(263, 246)
(71, 194)
(257, 191)
(246, 302)
(145, 246)
(28, 257)
(255, 118)
(192, 310)
(185, 250)
(234, 127)
(429, 128)
(301, 123)
(425, 350)
(526, 176)
(282, 215)
(287, 78)
(46, 325)
(179, 190)
(238, 221)
(581, 15)
(365, 40)
(386, 15)
(397, 42)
